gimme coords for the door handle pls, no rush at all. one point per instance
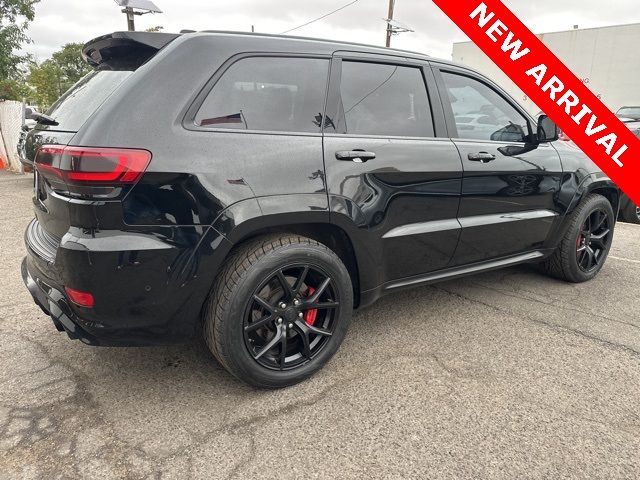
(358, 156)
(483, 157)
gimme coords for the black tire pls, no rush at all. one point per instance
(631, 213)
(565, 263)
(232, 305)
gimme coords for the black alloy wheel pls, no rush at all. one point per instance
(585, 244)
(594, 241)
(279, 310)
(291, 316)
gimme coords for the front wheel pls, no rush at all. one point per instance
(585, 246)
(279, 310)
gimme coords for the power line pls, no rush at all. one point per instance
(320, 18)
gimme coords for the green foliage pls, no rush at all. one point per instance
(14, 89)
(21, 77)
(51, 78)
(14, 18)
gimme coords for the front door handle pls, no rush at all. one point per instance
(483, 157)
(358, 156)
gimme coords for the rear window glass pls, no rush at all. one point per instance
(384, 100)
(85, 97)
(270, 94)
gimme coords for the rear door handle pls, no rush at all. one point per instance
(483, 157)
(358, 156)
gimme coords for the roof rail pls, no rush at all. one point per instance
(313, 39)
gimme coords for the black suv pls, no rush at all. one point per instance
(256, 189)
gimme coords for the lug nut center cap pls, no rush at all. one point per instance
(290, 314)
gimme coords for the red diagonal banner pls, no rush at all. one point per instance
(552, 86)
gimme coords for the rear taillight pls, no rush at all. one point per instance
(92, 166)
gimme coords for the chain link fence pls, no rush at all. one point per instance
(11, 118)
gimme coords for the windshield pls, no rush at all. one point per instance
(85, 97)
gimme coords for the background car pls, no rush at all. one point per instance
(632, 113)
(29, 119)
(629, 212)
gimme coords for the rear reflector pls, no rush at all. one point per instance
(82, 299)
(87, 165)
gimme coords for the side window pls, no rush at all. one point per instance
(268, 93)
(383, 100)
(481, 113)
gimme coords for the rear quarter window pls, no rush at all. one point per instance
(268, 93)
(75, 107)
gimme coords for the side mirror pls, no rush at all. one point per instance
(547, 130)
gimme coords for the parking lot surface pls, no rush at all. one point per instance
(503, 375)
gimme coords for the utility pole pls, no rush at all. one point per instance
(131, 8)
(131, 25)
(389, 18)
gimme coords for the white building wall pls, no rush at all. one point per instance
(607, 59)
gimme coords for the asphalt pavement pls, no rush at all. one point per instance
(507, 374)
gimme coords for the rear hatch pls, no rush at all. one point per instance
(68, 182)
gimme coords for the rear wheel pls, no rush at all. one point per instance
(279, 310)
(586, 243)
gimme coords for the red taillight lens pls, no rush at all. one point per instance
(82, 299)
(81, 165)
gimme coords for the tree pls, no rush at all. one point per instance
(15, 16)
(71, 64)
(44, 78)
(51, 78)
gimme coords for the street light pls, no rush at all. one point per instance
(136, 7)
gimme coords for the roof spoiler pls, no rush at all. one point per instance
(125, 47)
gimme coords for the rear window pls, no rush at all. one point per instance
(384, 100)
(267, 93)
(85, 97)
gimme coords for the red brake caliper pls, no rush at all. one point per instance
(580, 236)
(310, 315)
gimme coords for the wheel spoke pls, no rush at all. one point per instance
(283, 349)
(259, 323)
(272, 343)
(263, 303)
(592, 258)
(320, 290)
(285, 286)
(581, 258)
(319, 331)
(307, 329)
(306, 348)
(321, 305)
(599, 239)
(300, 280)
(601, 218)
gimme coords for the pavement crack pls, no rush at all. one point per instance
(552, 326)
(548, 304)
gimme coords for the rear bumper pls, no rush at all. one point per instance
(53, 303)
(148, 288)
